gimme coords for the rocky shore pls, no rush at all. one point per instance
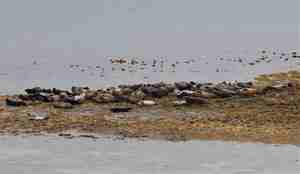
(266, 110)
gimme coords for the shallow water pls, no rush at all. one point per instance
(56, 155)
(100, 72)
(41, 40)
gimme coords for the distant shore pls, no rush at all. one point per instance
(265, 110)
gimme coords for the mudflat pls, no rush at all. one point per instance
(266, 111)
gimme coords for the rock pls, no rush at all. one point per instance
(179, 103)
(120, 109)
(66, 135)
(15, 101)
(38, 115)
(183, 85)
(147, 103)
(62, 105)
(88, 136)
(195, 100)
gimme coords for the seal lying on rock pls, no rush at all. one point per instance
(15, 101)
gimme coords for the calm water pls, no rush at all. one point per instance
(41, 41)
(56, 155)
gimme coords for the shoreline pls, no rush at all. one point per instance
(266, 110)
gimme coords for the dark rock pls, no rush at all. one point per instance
(183, 86)
(195, 100)
(15, 101)
(120, 109)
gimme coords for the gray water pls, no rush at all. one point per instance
(40, 40)
(56, 155)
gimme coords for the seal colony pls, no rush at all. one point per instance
(265, 110)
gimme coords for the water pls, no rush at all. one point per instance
(56, 155)
(40, 40)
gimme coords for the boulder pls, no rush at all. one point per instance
(120, 109)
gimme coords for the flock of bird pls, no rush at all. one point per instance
(162, 64)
